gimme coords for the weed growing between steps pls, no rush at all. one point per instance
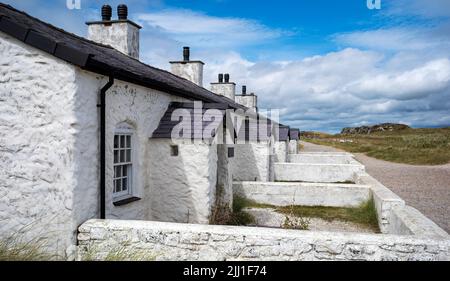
(364, 215)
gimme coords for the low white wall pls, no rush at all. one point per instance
(385, 200)
(406, 220)
(170, 241)
(330, 173)
(305, 194)
(182, 188)
(251, 162)
(306, 158)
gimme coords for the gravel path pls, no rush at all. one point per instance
(426, 188)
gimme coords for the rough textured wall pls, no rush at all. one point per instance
(182, 188)
(224, 89)
(224, 176)
(250, 101)
(49, 143)
(169, 241)
(293, 147)
(251, 162)
(122, 36)
(192, 71)
(38, 128)
(281, 151)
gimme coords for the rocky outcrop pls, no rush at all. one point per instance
(385, 127)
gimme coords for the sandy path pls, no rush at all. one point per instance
(426, 188)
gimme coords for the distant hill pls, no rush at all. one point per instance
(365, 130)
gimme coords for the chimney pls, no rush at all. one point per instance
(250, 101)
(224, 87)
(121, 34)
(188, 69)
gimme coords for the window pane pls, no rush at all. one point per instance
(128, 155)
(118, 171)
(122, 141)
(122, 156)
(115, 185)
(116, 141)
(129, 141)
(119, 186)
(124, 184)
(116, 156)
(125, 171)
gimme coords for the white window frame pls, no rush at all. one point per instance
(127, 165)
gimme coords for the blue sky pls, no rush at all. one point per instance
(325, 64)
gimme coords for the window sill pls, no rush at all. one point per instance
(125, 200)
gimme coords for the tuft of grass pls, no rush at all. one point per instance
(15, 248)
(239, 216)
(120, 253)
(409, 146)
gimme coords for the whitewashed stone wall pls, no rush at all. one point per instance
(251, 162)
(49, 144)
(181, 188)
(192, 71)
(123, 36)
(170, 241)
(304, 194)
(293, 147)
(281, 151)
(224, 175)
(330, 173)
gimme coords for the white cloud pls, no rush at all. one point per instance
(209, 31)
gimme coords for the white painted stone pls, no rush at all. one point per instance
(122, 35)
(250, 101)
(190, 70)
(224, 89)
(49, 142)
(307, 158)
(281, 151)
(331, 173)
(181, 188)
(409, 221)
(187, 241)
(251, 162)
(304, 194)
(293, 147)
(385, 200)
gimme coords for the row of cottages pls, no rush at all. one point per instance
(87, 131)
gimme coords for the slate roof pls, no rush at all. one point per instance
(294, 134)
(197, 122)
(283, 133)
(251, 130)
(98, 58)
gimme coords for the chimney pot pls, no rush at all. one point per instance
(244, 90)
(227, 78)
(122, 11)
(220, 78)
(186, 53)
(106, 12)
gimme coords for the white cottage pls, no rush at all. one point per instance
(80, 122)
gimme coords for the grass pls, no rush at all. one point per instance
(409, 146)
(364, 215)
(117, 254)
(15, 248)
